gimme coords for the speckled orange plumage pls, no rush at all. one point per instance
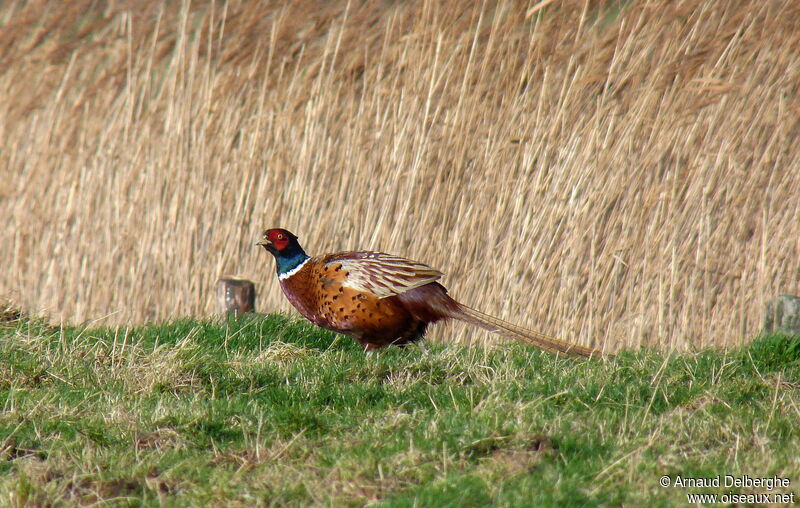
(380, 299)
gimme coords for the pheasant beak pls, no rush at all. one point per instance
(264, 242)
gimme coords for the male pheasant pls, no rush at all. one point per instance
(379, 299)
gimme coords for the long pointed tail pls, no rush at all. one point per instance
(511, 331)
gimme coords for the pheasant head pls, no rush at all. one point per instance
(282, 244)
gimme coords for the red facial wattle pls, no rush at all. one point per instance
(279, 239)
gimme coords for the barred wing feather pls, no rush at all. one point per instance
(382, 274)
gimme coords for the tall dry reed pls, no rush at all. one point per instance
(612, 175)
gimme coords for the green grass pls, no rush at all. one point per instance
(266, 410)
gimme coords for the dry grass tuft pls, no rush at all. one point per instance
(9, 314)
(282, 353)
(613, 176)
(160, 438)
(162, 369)
(512, 461)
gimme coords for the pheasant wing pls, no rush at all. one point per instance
(381, 274)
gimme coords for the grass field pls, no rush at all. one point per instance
(618, 173)
(267, 410)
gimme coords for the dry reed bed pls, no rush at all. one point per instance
(612, 177)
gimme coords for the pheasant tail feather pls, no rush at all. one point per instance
(511, 331)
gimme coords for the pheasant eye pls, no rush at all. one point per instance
(280, 236)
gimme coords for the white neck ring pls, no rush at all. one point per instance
(293, 271)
